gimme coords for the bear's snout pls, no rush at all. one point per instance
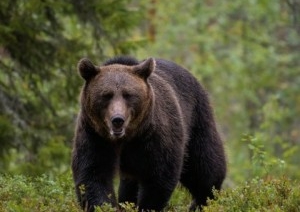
(117, 121)
(117, 126)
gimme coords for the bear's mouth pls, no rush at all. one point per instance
(117, 133)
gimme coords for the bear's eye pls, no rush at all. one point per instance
(130, 97)
(126, 95)
(107, 96)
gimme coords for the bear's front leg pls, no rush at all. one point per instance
(93, 163)
(159, 179)
(155, 194)
(92, 193)
(128, 190)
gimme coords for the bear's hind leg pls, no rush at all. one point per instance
(199, 191)
(204, 169)
(128, 191)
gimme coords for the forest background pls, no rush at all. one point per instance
(245, 53)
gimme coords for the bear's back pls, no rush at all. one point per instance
(122, 60)
(179, 78)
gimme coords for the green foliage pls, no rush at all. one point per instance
(6, 134)
(127, 206)
(18, 193)
(263, 192)
(262, 162)
(40, 45)
(52, 158)
(258, 195)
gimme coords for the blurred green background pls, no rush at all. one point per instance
(246, 54)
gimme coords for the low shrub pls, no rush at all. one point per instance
(26, 194)
(269, 194)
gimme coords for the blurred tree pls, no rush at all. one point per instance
(40, 44)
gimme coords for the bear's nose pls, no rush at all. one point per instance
(117, 121)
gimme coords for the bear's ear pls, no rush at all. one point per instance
(86, 69)
(145, 68)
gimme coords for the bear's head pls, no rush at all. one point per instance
(116, 97)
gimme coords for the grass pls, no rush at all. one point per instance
(22, 194)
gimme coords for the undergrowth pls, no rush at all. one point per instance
(270, 194)
(22, 194)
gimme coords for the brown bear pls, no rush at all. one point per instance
(152, 123)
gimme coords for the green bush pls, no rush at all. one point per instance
(268, 194)
(27, 194)
(21, 194)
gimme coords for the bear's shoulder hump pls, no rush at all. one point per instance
(122, 60)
